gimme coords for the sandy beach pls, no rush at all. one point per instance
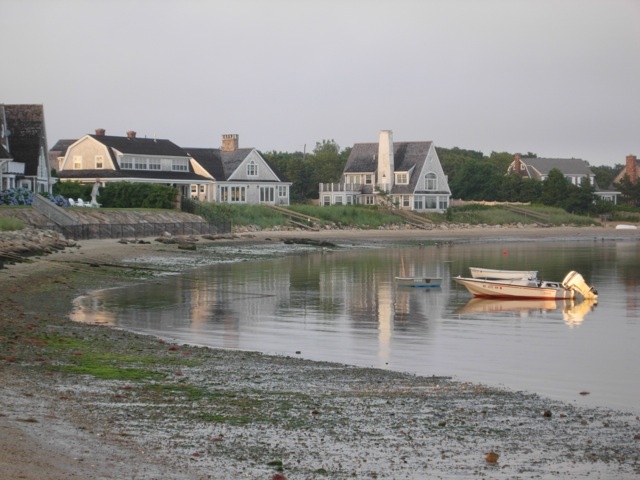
(197, 413)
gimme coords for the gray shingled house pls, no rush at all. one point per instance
(574, 170)
(407, 175)
(23, 148)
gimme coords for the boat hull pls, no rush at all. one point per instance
(419, 282)
(514, 289)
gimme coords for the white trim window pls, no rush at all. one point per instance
(282, 191)
(139, 163)
(180, 165)
(266, 194)
(252, 169)
(238, 194)
(126, 163)
(402, 178)
(99, 162)
(431, 181)
(155, 164)
(77, 162)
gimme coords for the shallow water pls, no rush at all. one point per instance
(343, 305)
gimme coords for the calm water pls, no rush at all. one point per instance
(344, 306)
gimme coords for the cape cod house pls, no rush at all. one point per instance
(574, 170)
(241, 175)
(405, 174)
(23, 148)
(228, 174)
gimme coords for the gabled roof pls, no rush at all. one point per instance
(141, 146)
(406, 156)
(222, 165)
(568, 166)
(27, 137)
(364, 156)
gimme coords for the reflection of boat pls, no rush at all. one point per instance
(572, 313)
(427, 282)
(478, 272)
(528, 288)
(489, 305)
(576, 313)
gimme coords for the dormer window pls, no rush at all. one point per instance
(402, 178)
(430, 181)
(252, 169)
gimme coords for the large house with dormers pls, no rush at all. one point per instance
(575, 170)
(407, 175)
(228, 174)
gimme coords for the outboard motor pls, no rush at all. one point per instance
(574, 281)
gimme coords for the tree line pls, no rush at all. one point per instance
(471, 174)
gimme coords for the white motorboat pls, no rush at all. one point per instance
(528, 288)
(424, 282)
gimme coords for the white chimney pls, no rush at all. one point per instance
(385, 160)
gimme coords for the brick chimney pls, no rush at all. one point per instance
(517, 164)
(100, 132)
(385, 160)
(631, 168)
(229, 142)
(131, 134)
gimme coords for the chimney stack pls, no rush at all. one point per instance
(385, 160)
(517, 164)
(100, 132)
(632, 168)
(131, 134)
(229, 142)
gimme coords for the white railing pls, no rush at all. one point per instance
(341, 187)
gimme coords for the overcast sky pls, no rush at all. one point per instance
(560, 78)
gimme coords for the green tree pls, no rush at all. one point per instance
(555, 188)
(630, 191)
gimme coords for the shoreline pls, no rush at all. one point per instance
(327, 427)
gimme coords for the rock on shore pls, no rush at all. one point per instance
(16, 245)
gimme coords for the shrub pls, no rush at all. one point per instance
(137, 195)
(16, 196)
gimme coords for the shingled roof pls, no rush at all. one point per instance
(568, 166)
(28, 137)
(406, 155)
(222, 165)
(141, 146)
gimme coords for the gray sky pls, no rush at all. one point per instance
(560, 78)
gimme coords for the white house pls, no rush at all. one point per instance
(405, 174)
(228, 174)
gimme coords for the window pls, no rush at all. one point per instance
(224, 194)
(368, 200)
(431, 202)
(139, 163)
(402, 178)
(252, 169)
(238, 194)
(126, 163)
(266, 194)
(367, 179)
(326, 200)
(338, 200)
(282, 191)
(155, 164)
(442, 203)
(99, 161)
(405, 200)
(431, 181)
(180, 165)
(418, 203)
(77, 162)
